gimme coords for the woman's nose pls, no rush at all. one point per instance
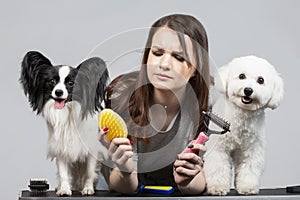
(165, 62)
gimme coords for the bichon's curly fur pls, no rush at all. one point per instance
(250, 85)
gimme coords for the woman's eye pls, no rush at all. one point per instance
(179, 58)
(157, 53)
(242, 76)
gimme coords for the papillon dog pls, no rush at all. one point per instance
(69, 99)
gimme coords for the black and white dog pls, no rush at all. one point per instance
(69, 100)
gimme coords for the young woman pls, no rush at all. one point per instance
(162, 106)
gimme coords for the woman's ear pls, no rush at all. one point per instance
(277, 94)
(221, 79)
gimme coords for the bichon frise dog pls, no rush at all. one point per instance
(250, 85)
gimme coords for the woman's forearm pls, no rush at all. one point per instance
(123, 182)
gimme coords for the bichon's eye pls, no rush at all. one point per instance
(242, 76)
(260, 80)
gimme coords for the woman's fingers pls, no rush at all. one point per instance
(201, 148)
(121, 152)
(191, 157)
(188, 164)
(187, 172)
(102, 137)
(124, 158)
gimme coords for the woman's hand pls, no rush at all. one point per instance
(188, 166)
(123, 177)
(119, 151)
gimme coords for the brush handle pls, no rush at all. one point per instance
(157, 189)
(201, 139)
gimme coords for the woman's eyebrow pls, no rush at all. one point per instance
(157, 47)
(180, 53)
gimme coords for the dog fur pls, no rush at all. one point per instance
(249, 85)
(69, 100)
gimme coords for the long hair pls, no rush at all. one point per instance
(137, 100)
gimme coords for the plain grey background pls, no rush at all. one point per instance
(67, 31)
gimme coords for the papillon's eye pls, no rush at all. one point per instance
(260, 80)
(157, 53)
(70, 83)
(52, 82)
(242, 76)
(179, 58)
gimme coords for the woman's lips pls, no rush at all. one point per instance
(162, 76)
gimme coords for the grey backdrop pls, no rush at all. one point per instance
(68, 31)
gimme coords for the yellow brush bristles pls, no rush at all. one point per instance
(114, 122)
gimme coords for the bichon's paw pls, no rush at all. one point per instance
(219, 190)
(64, 191)
(88, 191)
(247, 189)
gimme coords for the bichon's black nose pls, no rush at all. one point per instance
(248, 91)
(58, 92)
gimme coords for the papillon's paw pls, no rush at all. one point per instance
(64, 191)
(88, 191)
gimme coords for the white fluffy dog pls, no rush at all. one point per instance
(250, 85)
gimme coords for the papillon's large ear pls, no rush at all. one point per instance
(277, 94)
(221, 79)
(32, 61)
(90, 84)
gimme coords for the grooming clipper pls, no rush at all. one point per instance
(204, 136)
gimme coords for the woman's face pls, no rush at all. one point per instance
(167, 68)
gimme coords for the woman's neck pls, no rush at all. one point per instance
(170, 100)
(164, 106)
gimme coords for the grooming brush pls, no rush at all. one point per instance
(156, 189)
(38, 186)
(203, 136)
(114, 122)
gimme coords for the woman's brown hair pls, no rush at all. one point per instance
(135, 100)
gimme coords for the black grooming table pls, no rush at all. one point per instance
(265, 194)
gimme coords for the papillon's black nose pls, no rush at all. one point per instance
(248, 91)
(58, 92)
